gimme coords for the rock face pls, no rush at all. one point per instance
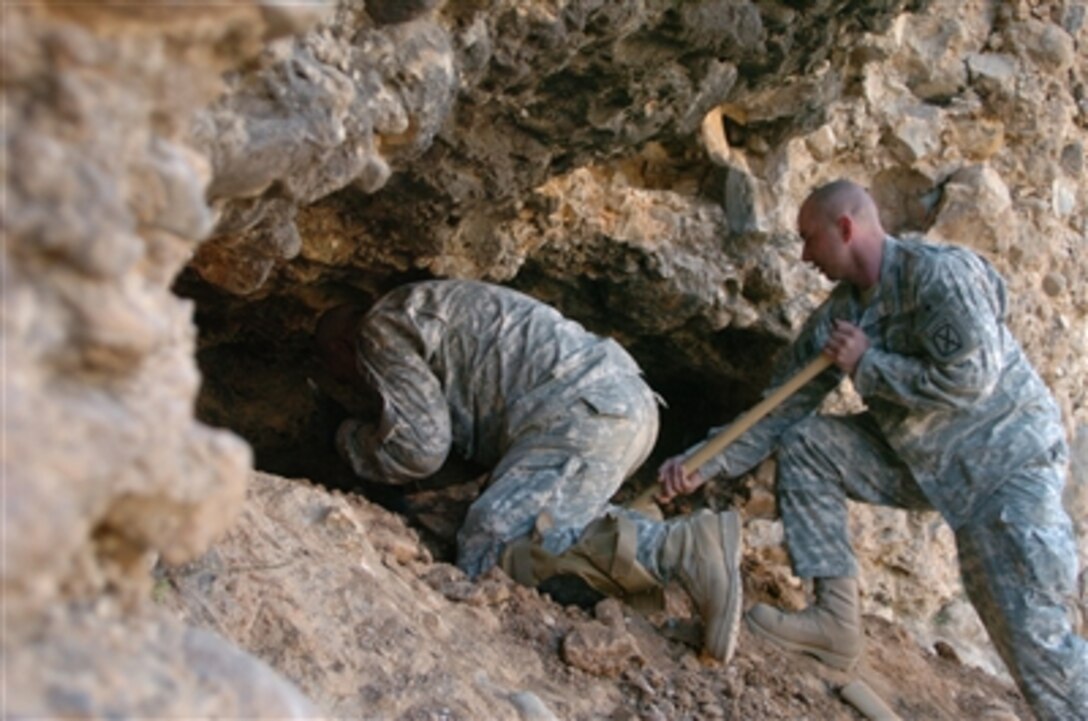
(105, 468)
(597, 187)
(456, 114)
(637, 164)
(103, 211)
(102, 661)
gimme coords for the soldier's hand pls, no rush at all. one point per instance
(357, 442)
(847, 345)
(674, 482)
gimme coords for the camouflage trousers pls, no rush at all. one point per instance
(560, 475)
(1017, 552)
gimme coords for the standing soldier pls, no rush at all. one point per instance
(956, 420)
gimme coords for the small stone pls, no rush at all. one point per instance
(1053, 284)
(388, 12)
(945, 651)
(531, 708)
(600, 650)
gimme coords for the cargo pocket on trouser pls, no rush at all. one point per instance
(606, 402)
(623, 421)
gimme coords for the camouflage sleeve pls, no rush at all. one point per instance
(760, 440)
(958, 328)
(413, 437)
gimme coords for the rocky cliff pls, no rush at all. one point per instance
(186, 189)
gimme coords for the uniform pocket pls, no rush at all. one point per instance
(606, 402)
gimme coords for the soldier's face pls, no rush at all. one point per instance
(824, 246)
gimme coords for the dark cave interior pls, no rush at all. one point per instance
(260, 373)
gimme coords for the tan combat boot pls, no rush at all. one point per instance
(703, 552)
(605, 557)
(829, 629)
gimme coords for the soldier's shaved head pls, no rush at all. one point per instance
(844, 197)
(840, 225)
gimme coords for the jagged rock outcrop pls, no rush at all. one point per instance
(459, 112)
(674, 233)
(638, 164)
(105, 468)
(103, 661)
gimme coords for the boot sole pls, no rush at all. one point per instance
(724, 634)
(838, 661)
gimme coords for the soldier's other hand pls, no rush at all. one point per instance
(847, 345)
(357, 441)
(674, 481)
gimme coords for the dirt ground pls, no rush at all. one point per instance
(660, 674)
(664, 679)
(661, 677)
(346, 599)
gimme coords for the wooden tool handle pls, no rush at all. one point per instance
(736, 429)
(718, 443)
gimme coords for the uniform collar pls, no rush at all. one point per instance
(882, 298)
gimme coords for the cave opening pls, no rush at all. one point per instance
(261, 379)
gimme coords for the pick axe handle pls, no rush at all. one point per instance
(735, 430)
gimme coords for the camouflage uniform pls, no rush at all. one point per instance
(562, 415)
(957, 420)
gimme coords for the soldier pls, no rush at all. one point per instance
(956, 420)
(562, 417)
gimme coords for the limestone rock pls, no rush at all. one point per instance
(105, 467)
(557, 147)
(95, 662)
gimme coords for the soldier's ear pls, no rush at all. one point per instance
(846, 227)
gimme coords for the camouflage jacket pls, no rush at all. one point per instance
(944, 378)
(474, 367)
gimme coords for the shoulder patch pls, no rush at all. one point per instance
(949, 337)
